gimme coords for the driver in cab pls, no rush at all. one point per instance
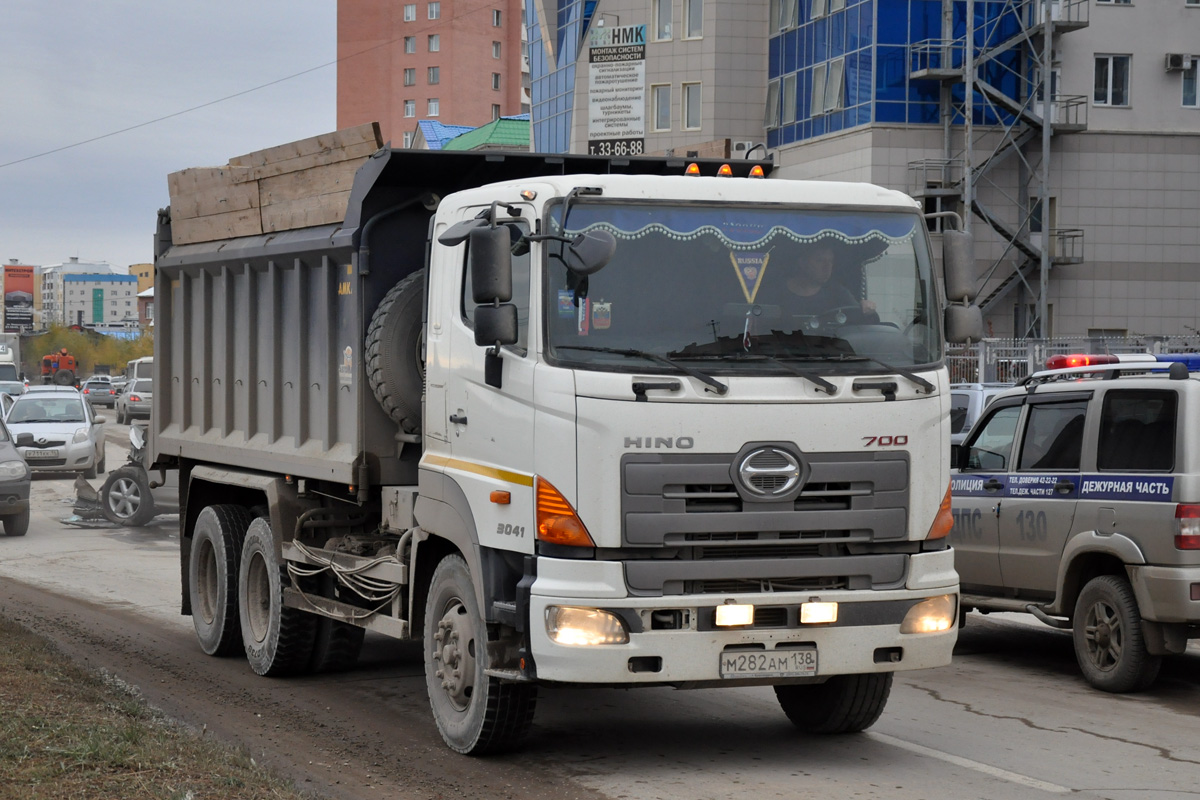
(812, 292)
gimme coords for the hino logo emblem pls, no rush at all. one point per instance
(659, 442)
(769, 472)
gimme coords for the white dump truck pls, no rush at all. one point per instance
(563, 419)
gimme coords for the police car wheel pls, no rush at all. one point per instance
(1107, 632)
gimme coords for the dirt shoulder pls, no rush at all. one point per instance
(362, 735)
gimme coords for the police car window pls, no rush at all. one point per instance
(1137, 430)
(520, 286)
(1053, 436)
(991, 448)
(959, 406)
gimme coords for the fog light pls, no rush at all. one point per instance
(930, 616)
(816, 613)
(584, 626)
(731, 615)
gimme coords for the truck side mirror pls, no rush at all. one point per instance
(491, 264)
(963, 319)
(496, 324)
(590, 252)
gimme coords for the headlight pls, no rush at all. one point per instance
(584, 626)
(931, 616)
(13, 469)
(81, 435)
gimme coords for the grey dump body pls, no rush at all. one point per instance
(258, 358)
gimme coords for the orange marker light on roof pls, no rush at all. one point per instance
(692, 169)
(557, 522)
(756, 171)
(725, 171)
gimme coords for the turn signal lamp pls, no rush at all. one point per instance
(584, 626)
(692, 169)
(725, 171)
(944, 521)
(756, 171)
(931, 616)
(1187, 527)
(557, 522)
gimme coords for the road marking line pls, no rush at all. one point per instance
(987, 769)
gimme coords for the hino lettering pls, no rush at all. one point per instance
(658, 442)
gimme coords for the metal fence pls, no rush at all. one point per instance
(1010, 360)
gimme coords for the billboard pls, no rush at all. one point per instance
(18, 299)
(617, 91)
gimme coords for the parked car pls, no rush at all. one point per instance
(14, 486)
(99, 392)
(967, 402)
(135, 401)
(55, 430)
(13, 388)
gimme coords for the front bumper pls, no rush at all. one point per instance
(1164, 594)
(72, 457)
(866, 638)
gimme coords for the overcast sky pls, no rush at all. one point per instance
(73, 70)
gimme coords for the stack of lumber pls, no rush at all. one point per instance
(294, 185)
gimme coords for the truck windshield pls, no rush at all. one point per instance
(751, 290)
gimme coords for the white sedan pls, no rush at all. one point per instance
(55, 430)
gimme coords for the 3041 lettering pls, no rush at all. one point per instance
(503, 529)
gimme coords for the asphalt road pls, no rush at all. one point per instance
(1010, 718)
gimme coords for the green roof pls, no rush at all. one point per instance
(504, 132)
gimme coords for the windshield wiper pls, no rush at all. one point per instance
(716, 385)
(912, 376)
(812, 377)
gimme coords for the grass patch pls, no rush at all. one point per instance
(66, 733)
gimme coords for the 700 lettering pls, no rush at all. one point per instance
(885, 441)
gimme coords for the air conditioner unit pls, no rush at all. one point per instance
(742, 148)
(1177, 62)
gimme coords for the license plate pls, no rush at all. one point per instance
(769, 663)
(41, 454)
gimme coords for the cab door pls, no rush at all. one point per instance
(1039, 509)
(977, 493)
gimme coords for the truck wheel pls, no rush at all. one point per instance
(475, 713)
(125, 497)
(213, 576)
(1108, 638)
(277, 640)
(17, 524)
(843, 704)
(394, 352)
(64, 377)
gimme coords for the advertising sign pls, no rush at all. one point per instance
(617, 91)
(18, 299)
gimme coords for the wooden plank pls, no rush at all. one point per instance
(355, 152)
(214, 200)
(216, 226)
(326, 142)
(324, 209)
(292, 186)
(198, 179)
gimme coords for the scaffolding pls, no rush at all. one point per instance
(1000, 109)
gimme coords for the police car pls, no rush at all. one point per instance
(1076, 498)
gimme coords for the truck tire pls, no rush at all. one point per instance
(394, 352)
(213, 577)
(277, 640)
(843, 704)
(1107, 632)
(125, 497)
(17, 524)
(64, 377)
(475, 713)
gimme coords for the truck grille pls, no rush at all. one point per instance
(703, 536)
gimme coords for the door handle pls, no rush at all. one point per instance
(458, 420)
(1064, 487)
(993, 485)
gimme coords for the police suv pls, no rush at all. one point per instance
(1076, 498)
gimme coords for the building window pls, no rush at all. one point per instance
(693, 19)
(410, 108)
(433, 107)
(495, 111)
(660, 101)
(836, 5)
(435, 42)
(435, 10)
(693, 103)
(496, 80)
(408, 138)
(496, 18)
(434, 75)
(1112, 81)
(771, 117)
(410, 12)
(1189, 83)
(662, 20)
(818, 9)
(410, 76)
(495, 49)
(410, 44)
(788, 105)
(783, 14)
(1121, 2)
(828, 87)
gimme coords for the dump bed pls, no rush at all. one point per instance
(259, 338)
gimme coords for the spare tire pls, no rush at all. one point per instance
(64, 377)
(395, 352)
